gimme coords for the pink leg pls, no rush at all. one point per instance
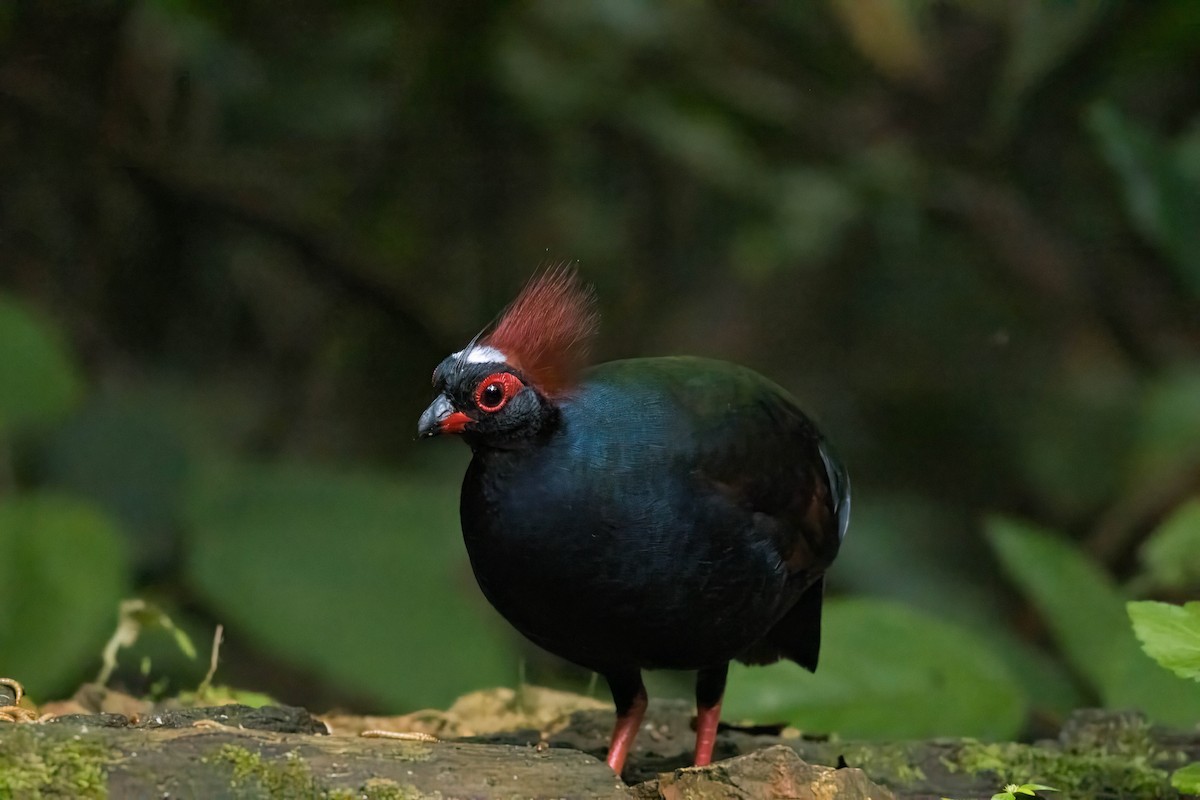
(710, 688)
(624, 734)
(707, 720)
(630, 697)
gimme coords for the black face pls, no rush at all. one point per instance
(489, 404)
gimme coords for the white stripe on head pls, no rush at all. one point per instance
(481, 354)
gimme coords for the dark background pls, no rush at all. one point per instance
(235, 239)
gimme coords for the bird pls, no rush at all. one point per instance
(671, 512)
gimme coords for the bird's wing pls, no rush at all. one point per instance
(744, 443)
(757, 449)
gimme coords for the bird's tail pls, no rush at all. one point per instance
(797, 634)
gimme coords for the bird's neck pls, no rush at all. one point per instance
(535, 433)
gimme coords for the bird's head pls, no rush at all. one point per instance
(500, 390)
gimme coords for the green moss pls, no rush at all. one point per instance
(290, 778)
(293, 779)
(890, 763)
(39, 766)
(386, 789)
(1110, 755)
(1078, 773)
(380, 789)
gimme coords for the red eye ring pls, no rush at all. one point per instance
(494, 391)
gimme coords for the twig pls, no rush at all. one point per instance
(206, 684)
(404, 736)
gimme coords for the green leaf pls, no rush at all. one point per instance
(1086, 613)
(1172, 554)
(1163, 201)
(38, 381)
(1186, 780)
(62, 573)
(1169, 634)
(1077, 600)
(358, 577)
(881, 663)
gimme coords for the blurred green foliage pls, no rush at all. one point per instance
(38, 384)
(1169, 557)
(1086, 614)
(236, 239)
(1170, 635)
(62, 574)
(938, 677)
(356, 576)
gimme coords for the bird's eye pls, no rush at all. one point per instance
(492, 396)
(496, 390)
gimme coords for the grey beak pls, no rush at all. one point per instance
(431, 421)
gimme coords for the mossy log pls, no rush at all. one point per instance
(1097, 754)
(75, 759)
(240, 752)
(80, 758)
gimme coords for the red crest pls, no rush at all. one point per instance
(547, 330)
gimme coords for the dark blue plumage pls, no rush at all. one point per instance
(650, 513)
(667, 522)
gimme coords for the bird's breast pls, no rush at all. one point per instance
(613, 555)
